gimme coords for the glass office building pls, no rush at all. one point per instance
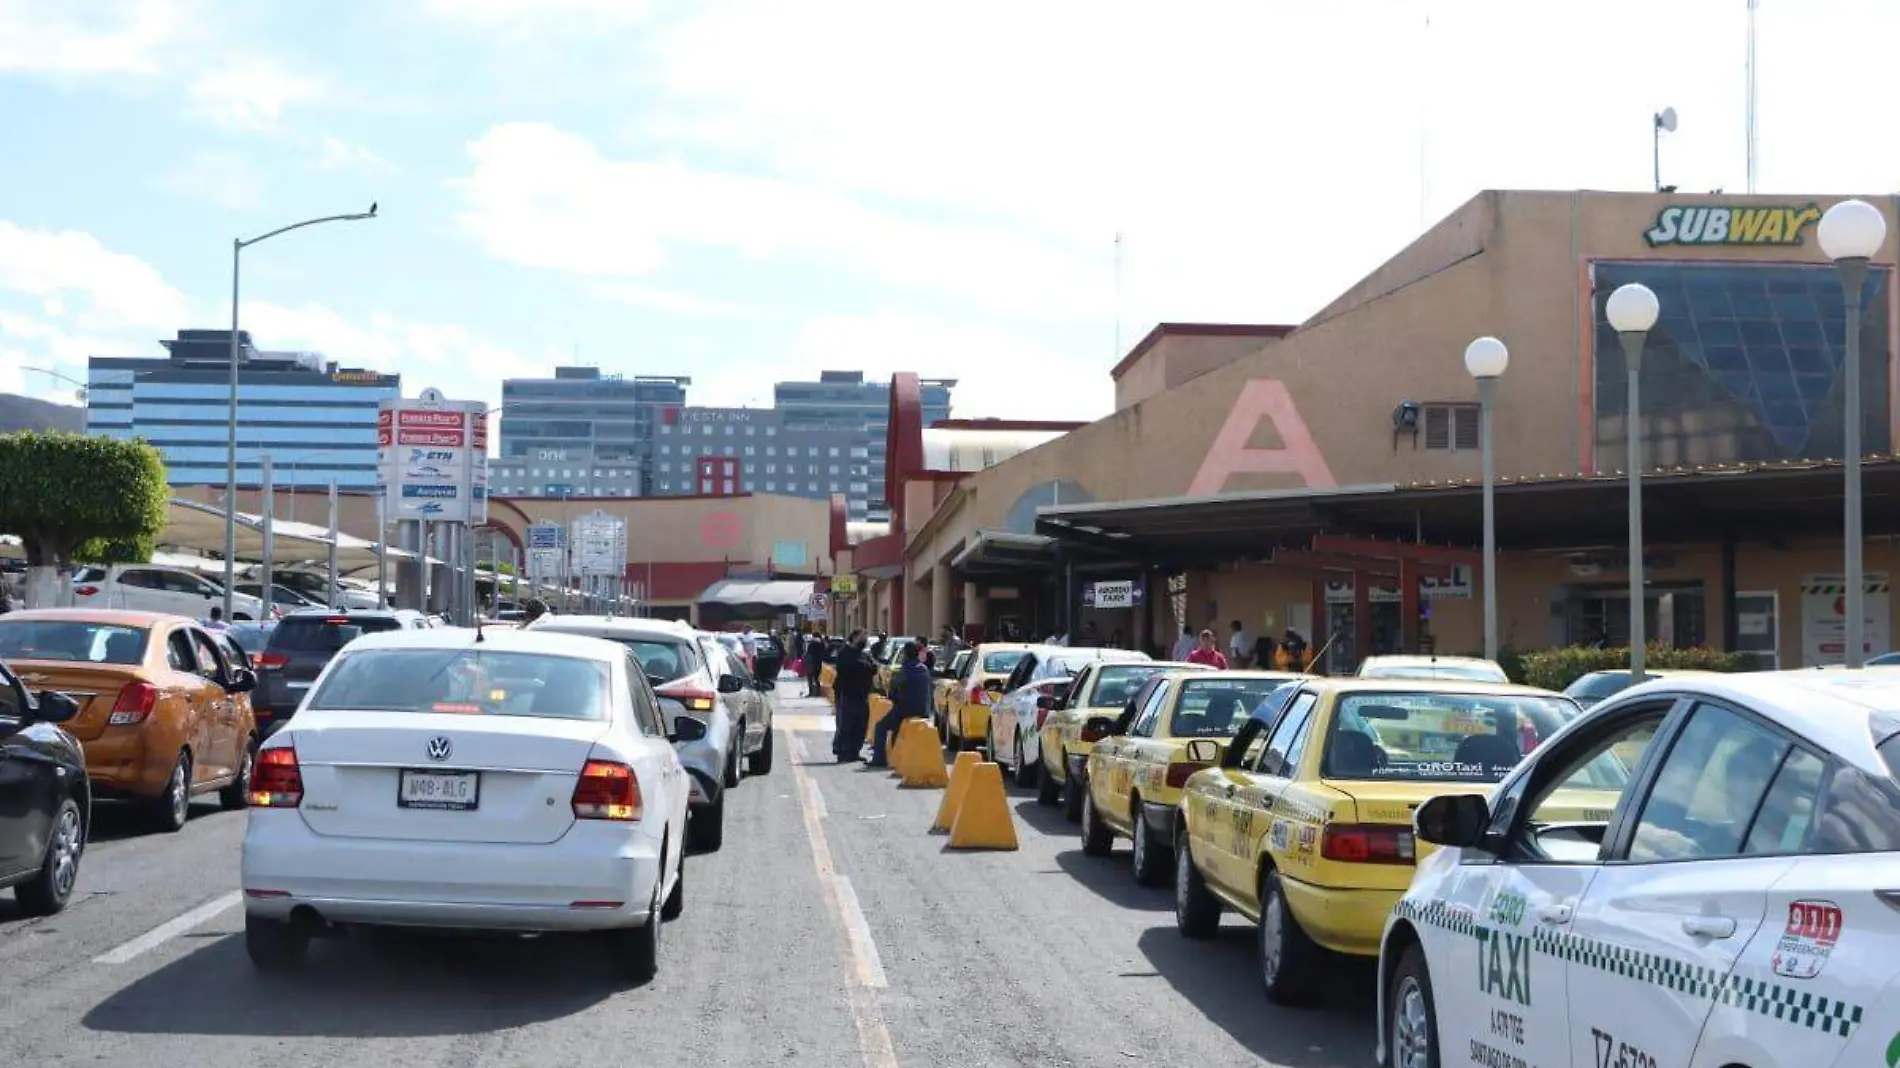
(316, 420)
(842, 405)
(581, 433)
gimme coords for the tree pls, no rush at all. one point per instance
(69, 497)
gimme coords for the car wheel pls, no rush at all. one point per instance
(760, 763)
(1150, 865)
(238, 794)
(1413, 1039)
(733, 775)
(1048, 790)
(1196, 909)
(636, 950)
(1097, 839)
(706, 828)
(1073, 790)
(1289, 960)
(48, 892)
(274, 945)
(676, 901)
(1025, 773)
(171, 809)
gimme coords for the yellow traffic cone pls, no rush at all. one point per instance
(983, 821)
(923, 764)
(959, 787)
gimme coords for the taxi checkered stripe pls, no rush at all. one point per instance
(1776, 1001)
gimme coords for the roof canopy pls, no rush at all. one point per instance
(756, 594)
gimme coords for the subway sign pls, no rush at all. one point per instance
(1709, 225)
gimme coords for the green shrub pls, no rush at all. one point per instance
(1554, 669)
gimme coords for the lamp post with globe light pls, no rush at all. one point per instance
(1632, 312)
(1486, 359)
(1850, 233)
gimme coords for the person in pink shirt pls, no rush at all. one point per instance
(1208, 653)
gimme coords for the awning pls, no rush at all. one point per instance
(1003, 552)
(752, 593)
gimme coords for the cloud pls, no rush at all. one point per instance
(336, 154)
(544, 197)
(111, 290)
(223, 178)
(674, 301)
(530, 14)
(96, 37)
(250, 94)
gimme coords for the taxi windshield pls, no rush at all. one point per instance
(465, 682)
(1002, 663)
(1437, 737)
(1216, 707)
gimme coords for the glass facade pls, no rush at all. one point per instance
(596, 427)
(858, 412)
(1744, 365)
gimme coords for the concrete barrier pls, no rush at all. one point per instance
(922, 765)
(953, 797)
(983, 820)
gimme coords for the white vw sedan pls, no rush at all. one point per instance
(500, 780)
(1697, 873)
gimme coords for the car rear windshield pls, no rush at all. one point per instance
(1438, 670)
(465, 681)
(68, 639)
(1216, 707)
(1437, 737)
(1004, 662)
(326, 634)
(1115, 685)
(661, 658)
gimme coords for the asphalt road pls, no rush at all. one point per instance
(832, 930)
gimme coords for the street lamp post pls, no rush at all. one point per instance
(238, 245)
(1486, 359)
(1850, 233)
(1632, 312)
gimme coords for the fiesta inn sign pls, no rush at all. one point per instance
(1732, 225)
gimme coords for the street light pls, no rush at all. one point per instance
(238, 245)
(1632, 311)
(78, 394)
(1850, 233)
(1486, 359)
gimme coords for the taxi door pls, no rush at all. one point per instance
(1265, 819)
(219, 756)
(1123, 756)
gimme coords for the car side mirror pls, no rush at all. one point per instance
(686, 729)
(243, 680)
(53, 707)
(1203, 751)
(1099, 726)
(1046, 702)
(1452, 820)
(731, 684)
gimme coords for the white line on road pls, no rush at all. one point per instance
(860, 929)
(817, 800)
(169, 929)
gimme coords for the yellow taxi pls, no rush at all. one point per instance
(1136, 772)
(966, 719)
(1305, 828)
(893, 655)
(1102, 688)
(943, 681)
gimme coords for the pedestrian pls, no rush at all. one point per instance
(769, 657)
(1208, 653)
(910, 699)
(1239, 646)
(1295, 646)
(1264, 651)
(216, 622)
(814, 661)
(1184, 644)
(533, 610)
(852, 685)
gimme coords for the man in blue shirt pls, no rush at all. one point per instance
(910, 698)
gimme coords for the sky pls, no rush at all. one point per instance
(746, 191)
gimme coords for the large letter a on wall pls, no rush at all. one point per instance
(1262, 399)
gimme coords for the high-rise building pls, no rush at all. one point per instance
(581, 433)
(857, 414)
(316, 420)
(717, 451)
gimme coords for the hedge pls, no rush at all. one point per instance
(1554, 669)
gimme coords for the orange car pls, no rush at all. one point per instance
(161, 711)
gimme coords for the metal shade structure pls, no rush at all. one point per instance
(763, 595)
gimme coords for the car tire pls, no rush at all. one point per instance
(1196, 909)
(676, 901)
(1097, 839)
(733, 775)
(1048, 790)
(238, 794)
(760, 763)
(1150, 866)
(636, 950)
(1072, 790)
(274, 945)
(1411, 1039)
(1289, 960)
(47, 892)
(1025, 773)
(170, 810)
(706, 828)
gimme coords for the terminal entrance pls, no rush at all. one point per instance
(1674, 614)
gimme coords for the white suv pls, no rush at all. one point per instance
(149, 588)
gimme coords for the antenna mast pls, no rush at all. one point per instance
(1117, 355)
(1751, 120)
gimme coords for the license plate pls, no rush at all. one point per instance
(453, 790)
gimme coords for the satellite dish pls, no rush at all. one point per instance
(1666, 120)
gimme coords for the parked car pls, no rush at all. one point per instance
(1726, 899)
(893, 655)
(746, 698)
(1136, 771)
(315, 587)
(151, 588)
(414, 789)
(1101, 688)
(966, 719)
(1032, 691)
(1597, 686)
(944, 679)
(281, 596)
(44, 794)
(159, 719)
(302, 644)
(251, 636)
(1467, 668)
(1305, 827)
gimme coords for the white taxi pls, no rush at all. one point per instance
(1738, 906)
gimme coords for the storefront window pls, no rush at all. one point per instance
(1743, 366)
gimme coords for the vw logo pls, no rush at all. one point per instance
(438, 748)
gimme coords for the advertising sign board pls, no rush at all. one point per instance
(433, 458)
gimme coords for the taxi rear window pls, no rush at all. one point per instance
(1004, 662)
(1115, 685)
(1216, 707)
(465, 682)
(326, 634)
(1437, 737)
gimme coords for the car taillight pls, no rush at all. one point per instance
(276, 780)
(269, 661)
(1368, 843)
(1181, 770)
(135, 703)
(695, 699)
(977, 696)
(607, 791)
(86, 591)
